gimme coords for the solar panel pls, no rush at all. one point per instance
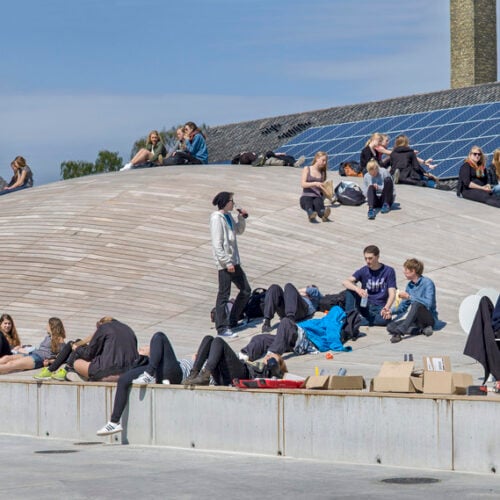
(445, 135)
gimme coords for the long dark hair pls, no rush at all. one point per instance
(12, 337)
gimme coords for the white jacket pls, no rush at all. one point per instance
(224, 245)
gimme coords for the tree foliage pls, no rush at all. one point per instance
(106, 161)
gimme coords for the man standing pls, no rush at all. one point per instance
(374, 298)
(223, 230)
(419, 300)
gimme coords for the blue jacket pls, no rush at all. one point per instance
(198, 148)
(423, 291)
(324, 332)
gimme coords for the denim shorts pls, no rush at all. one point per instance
(38, 360)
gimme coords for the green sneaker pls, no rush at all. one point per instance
(45, 374)
(60, 375)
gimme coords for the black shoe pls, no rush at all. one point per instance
(311, 214)
(395, 339)
(202, 379)
(266, 326)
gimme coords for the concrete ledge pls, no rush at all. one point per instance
(419, 431)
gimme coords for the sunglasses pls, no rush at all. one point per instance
(475, 153)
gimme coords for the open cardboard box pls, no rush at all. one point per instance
(336, 382)
(394, 376)
(439, 379)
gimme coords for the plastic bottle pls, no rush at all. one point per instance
(364, 301)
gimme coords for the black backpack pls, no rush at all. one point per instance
(349, 193)
(333, 299)
(350, 328)
(255, 305)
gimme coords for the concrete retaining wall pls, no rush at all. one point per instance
(449, 433)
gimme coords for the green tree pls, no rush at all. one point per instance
(106, 161)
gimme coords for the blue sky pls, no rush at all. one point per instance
(79, 76)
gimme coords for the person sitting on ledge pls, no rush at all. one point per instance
(312, 199)
(158, 364)
(290, 302)
(472, 180)
(152, 154)
(33, 359)
(418, 301)
(22, 178)
(111, 352)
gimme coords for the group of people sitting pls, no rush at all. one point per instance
(190, 149)
(22, 177)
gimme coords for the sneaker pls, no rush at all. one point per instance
(202, 379)
(385, 208)
(60, 374)
(127, 166)
(395, 177)
(45, 374)
(110, 428)
(371, 214)
(300, 161)
(242, 356)
(259, 161)
(266, 326)
(428, 331)
(326, 214)
(74, 377)
(395, 339)
(144, 379)
(227, 332)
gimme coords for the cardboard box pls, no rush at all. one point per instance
(335, 382)
(394, 376)
(439, 379)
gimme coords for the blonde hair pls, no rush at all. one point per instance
(375, 136)
(317, 156)
(401, 140)
(57, 334)
(372, 165)
(482, 158)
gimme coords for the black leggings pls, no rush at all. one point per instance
(162, 363)
(182, 158)
(222, 361)
(314, 203)
(387, 195)
(481, 197)
(287, 303)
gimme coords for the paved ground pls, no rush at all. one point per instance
(47, 469)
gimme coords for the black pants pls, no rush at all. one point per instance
(284, 341)
(387, 195)
(286, 302)
(416, 320)
(314, 203)
(182, 158)
(239, 278)
(162, 363)
(62, 357)
(222, 361)
(481, 197)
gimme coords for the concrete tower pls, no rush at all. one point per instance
(473, 28)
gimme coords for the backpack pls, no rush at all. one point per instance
(255, 305)
(333, 299)
(350, 328)
(229, 306)
(349, 193)
(350, 168)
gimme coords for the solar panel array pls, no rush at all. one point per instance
(445, 135)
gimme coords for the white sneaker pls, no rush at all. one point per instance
(127, 166)
(242, 356)
(300, 161)
(110, 428)
(144, 379)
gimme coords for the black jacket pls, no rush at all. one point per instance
(410, 171)
(481, 344)
(112, 350)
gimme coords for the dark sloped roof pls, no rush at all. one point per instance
(225, 141)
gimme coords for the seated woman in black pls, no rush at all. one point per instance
(472, 180)
(371, 151)
(405, 165)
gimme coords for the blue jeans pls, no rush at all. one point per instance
(370, 315)
(496, 189)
